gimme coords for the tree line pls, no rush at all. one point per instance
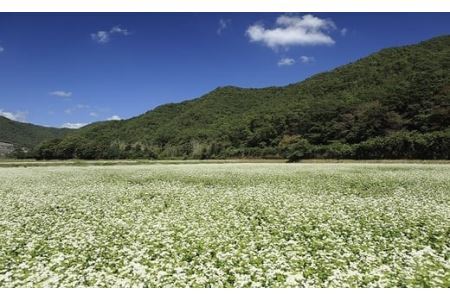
(399, 145)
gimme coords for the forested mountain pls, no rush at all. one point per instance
(392, 104)
(27, 135)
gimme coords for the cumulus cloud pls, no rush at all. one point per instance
(2, 49)
(293, 31)
(344, 31)
(19, 116)
(306, 59)
(103, 37)
(114, 118)
(62, 94)
(73, 125)
(286, 62)
(223, 24)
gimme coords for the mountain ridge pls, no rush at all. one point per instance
(401, 90)
(22, 134)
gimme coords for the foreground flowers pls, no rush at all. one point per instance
(226, 225)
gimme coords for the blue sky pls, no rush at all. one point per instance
(74, 68)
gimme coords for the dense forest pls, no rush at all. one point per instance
(392, 104)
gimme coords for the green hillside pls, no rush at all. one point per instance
(392, 104)
(27, 135)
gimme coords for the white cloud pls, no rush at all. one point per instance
(307, 59)
(103, 37)
(2, 49)
(68, 111)
(117, 29)
(19, 116)
(223, 24)
(73, 125)
(62, 94)
(344, 31)
(286, 62)
(93, 114)
(114, 118)
(292, 31)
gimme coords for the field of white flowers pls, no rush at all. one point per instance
(226, 225)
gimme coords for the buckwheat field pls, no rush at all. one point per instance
(226, 225)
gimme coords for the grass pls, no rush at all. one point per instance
(8, 163)
(75, 162)
(225, 225)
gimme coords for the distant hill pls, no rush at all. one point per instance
(26, 135)
(392, 104)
